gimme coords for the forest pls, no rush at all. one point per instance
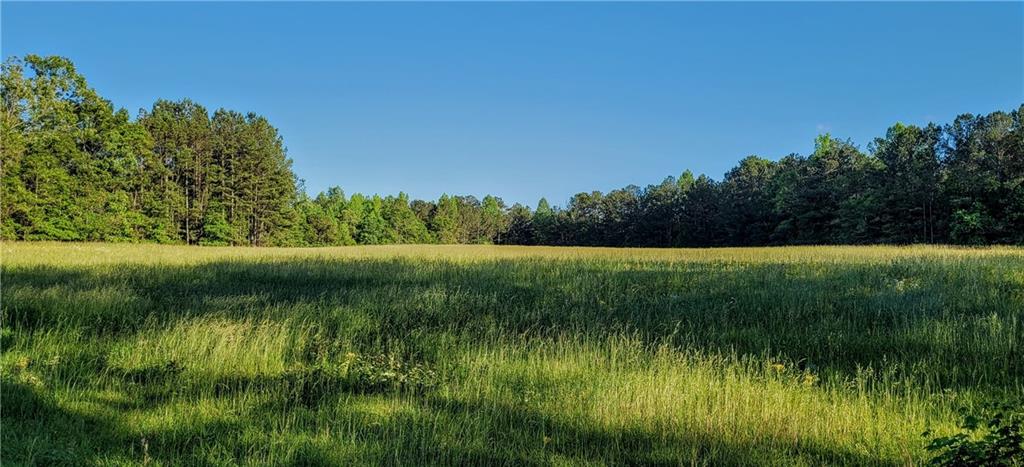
(75, 168)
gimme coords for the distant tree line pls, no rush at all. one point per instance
(76, 168)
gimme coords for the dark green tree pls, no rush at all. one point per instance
(72, 167)
(373, 229)
(908, 184)
(983, 177)
(182, 140)
(216, 228)
(747, 209)
(407, 226)
(520, 229)
(445, 222)
(699, 221)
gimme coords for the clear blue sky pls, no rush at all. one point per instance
(531, 100)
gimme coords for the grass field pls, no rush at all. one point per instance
(165, 355)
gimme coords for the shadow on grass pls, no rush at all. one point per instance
(38, 431)
(955, 323)
(951, 324)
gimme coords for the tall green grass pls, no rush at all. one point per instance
(162, 355)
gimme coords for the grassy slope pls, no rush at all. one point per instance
(124, 354)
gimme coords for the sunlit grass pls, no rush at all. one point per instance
(170, 355)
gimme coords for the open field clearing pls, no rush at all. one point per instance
(171, 355)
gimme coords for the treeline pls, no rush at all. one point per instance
(76, 168)
(958, 183)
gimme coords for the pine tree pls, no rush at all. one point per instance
(493, 220)
(445, 223)
(183, 140)
(373, 228)
(407, 227)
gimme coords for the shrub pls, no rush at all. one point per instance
(997, 441)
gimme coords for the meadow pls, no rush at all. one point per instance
(415, 355)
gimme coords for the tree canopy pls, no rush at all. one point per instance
(76, 168)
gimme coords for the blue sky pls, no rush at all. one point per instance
(530, 100)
